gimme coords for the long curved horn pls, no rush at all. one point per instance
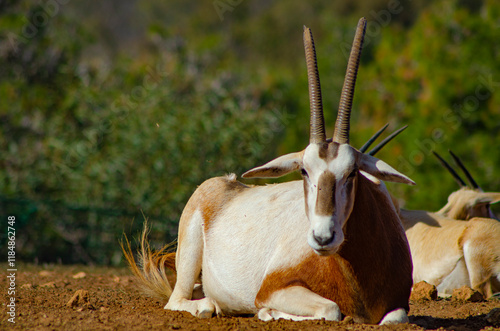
(341, 134)
(317, 124)
(465, 171)
(385, 141)
(372, 139)
(450, 169)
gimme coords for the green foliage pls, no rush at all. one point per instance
(141, 138)
(441, 78)
(103, 119)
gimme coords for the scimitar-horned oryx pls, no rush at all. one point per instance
(329, 244)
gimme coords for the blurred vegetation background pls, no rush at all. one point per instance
(114, 111)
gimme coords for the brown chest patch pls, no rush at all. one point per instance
(372, 273)
(329, 277)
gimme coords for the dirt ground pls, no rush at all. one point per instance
(43, 301)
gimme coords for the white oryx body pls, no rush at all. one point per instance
(327, 245)
(454, 253)
(459, 245)
(246, 258)
(231, 276)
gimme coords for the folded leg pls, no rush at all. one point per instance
(298, 303)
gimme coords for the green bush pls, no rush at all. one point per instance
(84, 154)
(441, 78)
(102, 125)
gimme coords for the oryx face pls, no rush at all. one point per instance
(329, 172)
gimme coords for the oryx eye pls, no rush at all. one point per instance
(303, 172)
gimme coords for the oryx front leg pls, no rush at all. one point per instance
(298, 303)
(188, 264)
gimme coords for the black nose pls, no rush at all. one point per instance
(323, 241)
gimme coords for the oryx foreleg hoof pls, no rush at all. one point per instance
(206, 308)
(397, 316)
(203, 308)
(330, 312)
(265, 314)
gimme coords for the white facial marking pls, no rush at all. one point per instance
(312, 162)
(325, 234)
(343, 163)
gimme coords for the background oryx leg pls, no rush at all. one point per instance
(188, 265)
(478, 262)
(482, 254)
(298, 303)
(457, 278)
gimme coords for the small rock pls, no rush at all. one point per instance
(81, 297)
(103, 309)
(493, 317)
(49, 285)
(27, 286)
(80, 275)
(423, 291)
(44, 273)
(116, 279)
(467, 294)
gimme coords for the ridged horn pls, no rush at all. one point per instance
(465, 171)
(457, 178)
(317, 123)
(341, 134)
(386, 140)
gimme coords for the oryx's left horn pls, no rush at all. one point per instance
(341, 134)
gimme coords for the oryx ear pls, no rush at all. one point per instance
(382, 170)
(486, 198)
(278, 167)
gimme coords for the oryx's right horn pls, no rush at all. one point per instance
(465, 171)
(450, 169)
(317, 123)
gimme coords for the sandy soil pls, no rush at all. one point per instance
(112, 301)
